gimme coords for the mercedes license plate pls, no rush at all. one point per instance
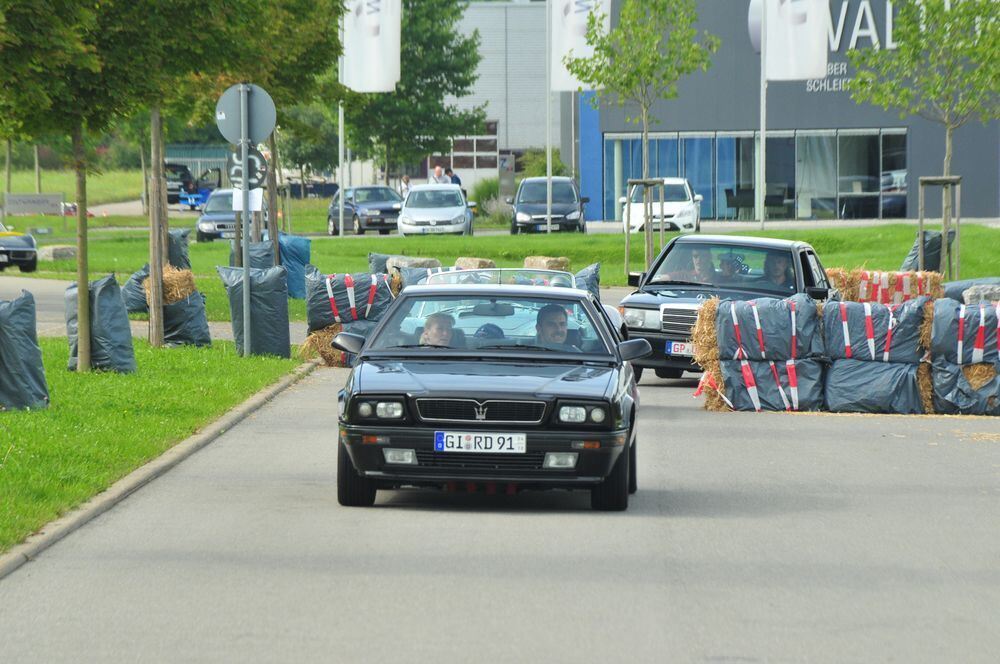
(681, 348)
(480, 441)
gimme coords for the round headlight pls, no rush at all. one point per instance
(523, 216)
(389, 409)
(365, 409)
(597, 415)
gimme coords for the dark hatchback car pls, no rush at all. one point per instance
(530, 206)
(374, 208)
(17, 249)
(179, 178)
(694, 268)
(530, 387)
(217, 218)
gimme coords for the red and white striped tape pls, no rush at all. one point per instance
(869, 330)
(888, 334)
(333, 301)
(961, 331)
(979, 345)
(351, 300)
(848, 352)
(748, 380)
(793, 376)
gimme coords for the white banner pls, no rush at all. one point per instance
(797, 47)
(371, 45)
(256, 200)
(569, 36)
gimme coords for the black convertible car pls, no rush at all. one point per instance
(490, 387)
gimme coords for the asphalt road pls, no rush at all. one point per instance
(753, 538)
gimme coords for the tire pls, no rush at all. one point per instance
(332, 226)
(357, 225)
(352, 489)
(468, 230)
(200, 237)
(611, 495)
(638, 373)
(633, 481)
(193, 207)
(583, 226)
(383, 231)
(697, 225)
(30, 267)
(513, 229)
(669, 373)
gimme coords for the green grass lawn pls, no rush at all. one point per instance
(101, 426)
(882, 248)
(105, 187)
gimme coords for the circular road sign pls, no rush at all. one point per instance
(255, 171)
(260, 113)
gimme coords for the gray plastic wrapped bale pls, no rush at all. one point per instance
(410, 276)
(345, 298)
(873, 332)
(177, 249)
(110, 332)
(858, 386)
(261, 254)
(185, 322)
(799, 385)
(22, 375)
(932, 252)
(956, 289)
(965, 333)
(134, 293)
(589, 279)
(268, 307)
(776, 332)
(972, 389)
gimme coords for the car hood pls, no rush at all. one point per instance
(668, 207)
(218, 216)
(539, 208)
(12, 240)
(654, 298)
(467, 378)
(382, 206)
(439, 214)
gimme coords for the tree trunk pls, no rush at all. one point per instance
(302, 174)
(82, 278)
(156, 211)
(387, 164)
(162, 191)
(7, 168)
(647, 193)
(272, 200)
(946, 206)
(145, 176)
(38, 172)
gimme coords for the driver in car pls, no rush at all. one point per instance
(551, 328)
(438, 330)
(700, 269)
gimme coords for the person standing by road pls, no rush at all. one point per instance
(454, 179)
(439, 177)
(404, 186)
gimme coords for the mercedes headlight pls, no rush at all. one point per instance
(523, 216)
(573, 216)
(642, 318)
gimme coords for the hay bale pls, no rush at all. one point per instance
(318, 343)
(394, 262)
(848, 282)
(979, 375)
(177, 285)
(467, 263)
(844, 280)
(546, 263)
(57, 252)
(395, 283)
(706, 354)
(927, 326)
(925, 387)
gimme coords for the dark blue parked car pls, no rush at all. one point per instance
(365, 209)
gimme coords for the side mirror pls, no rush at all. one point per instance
(509, 200)
(818, 292)
(585, 200)
(471, 204)
(349, 343)
(634, 349)
(698, 198)
(636, 278)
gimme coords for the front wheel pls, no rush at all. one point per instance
(638, 373)
(513, 229)
(583, 226)
(633, 482)
(383, 231)
(29, 267)
(353, 490)
(468, 230)
(669, 373)
(332, 227)
(611, 495)
(357, 226)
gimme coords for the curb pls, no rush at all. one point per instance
(54, 531)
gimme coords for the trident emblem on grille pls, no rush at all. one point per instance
(480, 412)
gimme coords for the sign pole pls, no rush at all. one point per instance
(548, 116)
(340, 138)
(761, 154)
(245, 215)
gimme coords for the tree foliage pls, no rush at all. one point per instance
(417, 119)
(945, 67)
(309, 138)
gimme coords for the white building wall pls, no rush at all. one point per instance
(511, 79)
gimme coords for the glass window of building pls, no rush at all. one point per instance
(665, 150)
(816, 175)
(698, 152)
(893, 180)
(735, 168)
(859, 175)
(779, 197)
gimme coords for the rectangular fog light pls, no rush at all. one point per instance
(560, 460)
(398, 456)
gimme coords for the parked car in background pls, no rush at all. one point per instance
(679, 211)
(179, 178)
(217, 218)
(435, 209)
(17, 249)
(365, 209)
(495, 386)
(530, 206)
(694, 268)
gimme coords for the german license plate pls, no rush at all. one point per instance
(682, 348)
(480, 442)
(542, 227)
(228, 235)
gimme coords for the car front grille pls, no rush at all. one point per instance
(22, 253)
(470, 410)
(480, 462)
(678, 321)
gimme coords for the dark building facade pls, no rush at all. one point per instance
(827, 157)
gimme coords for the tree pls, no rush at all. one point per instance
(945, 68)
(309, 139)
(404, 126)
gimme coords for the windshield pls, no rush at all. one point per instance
(517, 276)
(220, 202)
(515, 325)
(435, 199)
(177, 173)
(376, 195)
(535, 192)
(727, 266)
(672, 193)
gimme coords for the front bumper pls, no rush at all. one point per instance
(659, 359)
(539, 226)
(437, 229)
(682, 224)
(18, 257)
(371, 223)
(436, 468)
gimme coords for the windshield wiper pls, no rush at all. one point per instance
(415, 346)
(657, 282)
(521, 347)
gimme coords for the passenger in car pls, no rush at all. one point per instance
(438, 330)
(778, 272)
